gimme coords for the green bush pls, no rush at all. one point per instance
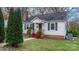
(78, 31)
(14, 29)
(2, 32)
(39, 31)
(74, 32)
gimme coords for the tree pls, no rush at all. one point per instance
(78, 31)
(2, 32)
(45, 10)
(73, 27)
(24, 13)
(14, 31)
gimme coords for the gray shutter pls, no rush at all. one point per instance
(33, 26)
(24, 26)
(48, 26)
(56, 28)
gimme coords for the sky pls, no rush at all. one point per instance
(73, 13)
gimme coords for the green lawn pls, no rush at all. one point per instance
(50, 45)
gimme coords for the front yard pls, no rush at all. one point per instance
(45, 45)
(50, 45)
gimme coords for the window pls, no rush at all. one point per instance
(26, 26)
(52, 26)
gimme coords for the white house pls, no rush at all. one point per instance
(53, 25)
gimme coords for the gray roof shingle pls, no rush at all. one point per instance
(51, 16)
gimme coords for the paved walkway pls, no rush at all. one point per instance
(11, 49)
(28, 39)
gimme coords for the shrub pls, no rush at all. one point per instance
(78, 31)
(74, 32)
(39, 31)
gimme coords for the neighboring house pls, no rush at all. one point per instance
(53, 24)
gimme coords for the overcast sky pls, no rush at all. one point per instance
(73, 14)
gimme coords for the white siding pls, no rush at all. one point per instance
(35, 27)
(25, 30)
(60, 31)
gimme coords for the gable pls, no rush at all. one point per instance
(37, 20)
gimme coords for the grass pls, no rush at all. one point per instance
(50, 45)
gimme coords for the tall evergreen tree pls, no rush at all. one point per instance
(2, 32)
(14, 31)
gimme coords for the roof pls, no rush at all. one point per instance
(51, 16)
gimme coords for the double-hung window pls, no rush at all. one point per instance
(26, 26)
(52, 26)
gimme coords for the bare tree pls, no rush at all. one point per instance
(45, 10)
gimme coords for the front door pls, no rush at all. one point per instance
(40, 26)
(36, 27)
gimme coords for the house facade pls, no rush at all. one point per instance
(53, 25)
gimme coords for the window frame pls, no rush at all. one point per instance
(55, 26)
(52, 27)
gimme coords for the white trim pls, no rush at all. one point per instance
(37, 20)
(56, 21)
